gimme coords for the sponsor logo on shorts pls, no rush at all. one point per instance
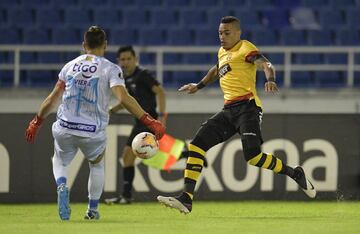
(77, 126)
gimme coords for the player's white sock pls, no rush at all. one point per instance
(96, 180)
(59, 170)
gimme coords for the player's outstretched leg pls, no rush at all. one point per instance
(92, 214)
(63, 202)
(304, 182)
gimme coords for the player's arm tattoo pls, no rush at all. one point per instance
(264, 64)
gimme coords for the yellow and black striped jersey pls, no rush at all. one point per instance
(237, 73)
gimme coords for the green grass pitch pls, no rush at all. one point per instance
(207, 217)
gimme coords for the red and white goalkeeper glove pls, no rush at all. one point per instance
(154, 125)
(31, 130)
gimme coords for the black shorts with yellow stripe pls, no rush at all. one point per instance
(243, 117)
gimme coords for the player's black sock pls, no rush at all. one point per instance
(194, 165)
(269, 161)
(128, 174)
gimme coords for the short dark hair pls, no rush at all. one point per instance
(230, 19)
(94, 37)
(127, 48)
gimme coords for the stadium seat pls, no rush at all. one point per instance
(193, 18)
(48, 17)
(6, 78)
(261, 4)
(286, 4)
(264, 37)
(77, 17)
(320, 38)
(20, 17)
(276, 19)
(147, 58)
(183, 77)
(313, 58)
(315, 4)
(347, 37)
(106, 18)
(141, 19)
(292, 37)
(164, 18)
(172, 58)
(357, 79)
(197, 58)
(151, 36)
(63, 3)
(331, 19)
(36, 36)
(7, 3)
(357, 59)
(234, 3)
(177, 3)
(149, 3)
(205, 37)
(38, 79)
(353, 18)
(249, 19)
(205, 3)
(50, 57)
(330, 79)
(275, 58)
(214, 16)
(336, 4)
(335, 58)
(180, 36)
(9, 36)
(66, 35)
(91, 3)
(123, 36)
(303, 18)
(117, 4)
(34, 3)
(302, 80)
(28, 57)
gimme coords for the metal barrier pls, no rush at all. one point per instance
(159, 67)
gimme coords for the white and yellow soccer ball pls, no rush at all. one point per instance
(145, 145)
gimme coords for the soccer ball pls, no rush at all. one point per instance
(145, 145)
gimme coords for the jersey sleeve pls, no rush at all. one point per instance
(252, 52)
(116, 76)
(149, 79)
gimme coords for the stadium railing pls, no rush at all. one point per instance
(287, 67)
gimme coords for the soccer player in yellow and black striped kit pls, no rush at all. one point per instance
(237, 63)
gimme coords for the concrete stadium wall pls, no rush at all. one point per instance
(326, 145)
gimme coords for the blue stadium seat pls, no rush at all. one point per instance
(77, 17)
(28, 57)
(136, 17)
(353, 17)
(275, 58)
(315, 4)
(63, 3)
(180, 36)
(197, 58)
(292, 37)
(150, 36)
(264, 37)
(38, 79)
(275, 19)
(36, 36)
(205, 37)
(193, 18)
(177, 3)
(249, 19)
(302, 80)
(184, 77)
(48, 17)
(261, 4)
(34, 3)
(335, 58)
(91, 3)
(7, 3)
(347, 37)
(6, 78)
(65, 36)
(164, 18)
(286, 4)
(205, 3)
(20, 17)
(314, 58)
(172, 58)
(357, 79)
(331, 19)
(357, 59)
(105, 17)
(304, 18)
(319, 38)
(336, 4)
(214, 16)
(123, 36)
(112, 4)
(330, 79)
(149, 3)
(147, 58)
(50, 57)
(9, 36)
(234, 3)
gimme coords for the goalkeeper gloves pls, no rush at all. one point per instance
(31, 130)
(154, 125)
